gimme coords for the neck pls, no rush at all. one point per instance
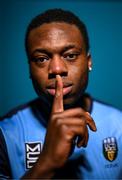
(84, 102)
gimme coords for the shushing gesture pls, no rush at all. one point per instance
(64, 127)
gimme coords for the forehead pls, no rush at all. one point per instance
(55, 35)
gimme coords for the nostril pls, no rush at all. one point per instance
(53, 76)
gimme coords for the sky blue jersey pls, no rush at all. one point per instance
(22, 135)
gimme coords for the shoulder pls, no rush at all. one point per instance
(106, 114)
(21, 112)
(102, 107)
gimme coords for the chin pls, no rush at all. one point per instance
(69, 102)
(72, 101)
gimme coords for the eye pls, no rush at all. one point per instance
(71, 56)
(40, 60)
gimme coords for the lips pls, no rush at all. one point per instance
(67, 88)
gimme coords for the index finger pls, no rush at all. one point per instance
(58, 98)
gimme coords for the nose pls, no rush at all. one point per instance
(57, 66)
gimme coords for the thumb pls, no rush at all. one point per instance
(58, 98)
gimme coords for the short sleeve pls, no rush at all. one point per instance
(5, 170)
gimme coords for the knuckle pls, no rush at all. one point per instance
(83, 121)
(55, 116)
(81, 110)
(58, 122)
(64, 129)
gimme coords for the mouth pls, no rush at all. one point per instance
(66, 90)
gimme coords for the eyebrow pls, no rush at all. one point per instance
(41, 50)
(68, 47)
(64, 49)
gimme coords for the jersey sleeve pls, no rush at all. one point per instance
(5, 170)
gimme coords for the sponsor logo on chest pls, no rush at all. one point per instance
(33, 150)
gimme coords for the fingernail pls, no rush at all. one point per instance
(57, 95)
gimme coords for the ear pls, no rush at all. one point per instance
(89, 62)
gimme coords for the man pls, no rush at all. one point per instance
(55, 135)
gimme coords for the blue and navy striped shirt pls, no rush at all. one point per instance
(22, 135)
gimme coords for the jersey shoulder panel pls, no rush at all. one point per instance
(20, 127)
(104, 111)
(5, 169)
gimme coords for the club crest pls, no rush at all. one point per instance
(110, 148)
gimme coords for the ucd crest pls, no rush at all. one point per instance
(110, 149)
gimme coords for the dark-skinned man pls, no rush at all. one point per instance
(64, 133)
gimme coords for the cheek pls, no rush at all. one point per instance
(39, 77)
(74, 70)
(79, 76)
(78, 72)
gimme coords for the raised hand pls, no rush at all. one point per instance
(64, 127)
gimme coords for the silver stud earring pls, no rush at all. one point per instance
(90, 68)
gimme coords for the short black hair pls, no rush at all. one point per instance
(57, 15)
